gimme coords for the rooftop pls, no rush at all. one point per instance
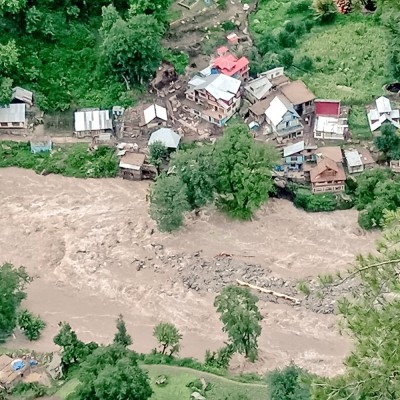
(332, 152)
(260, 107)
(154, 111)
(327, 108)
(323, 165)
(259, 87)
(383, 105)
(297, 92)
(92, 120)
(293, 148)
(12, 113)
(229, 64)
(167, 136)
(23, 95)
(132, 160)
(278, 108)
(353, 158)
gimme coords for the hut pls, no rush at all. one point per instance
(40, 144)
(92, 122)
(131, 166)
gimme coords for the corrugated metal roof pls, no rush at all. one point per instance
(259, 87)
(12, 113)
(277, 109)
(155, 111)
(293, 148)
(383, 105)
(353, 158)
(22, 95)
(166, 136)
(92, 120)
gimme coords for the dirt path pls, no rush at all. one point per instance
(95, 253)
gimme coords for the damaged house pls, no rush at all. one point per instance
(214, 98)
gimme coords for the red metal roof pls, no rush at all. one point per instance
(327, 108)
(229, 64)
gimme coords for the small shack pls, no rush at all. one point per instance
(167, 137)
(40, 144)
(153, 112)
(12, 116)
(12, 371)
(92, 122)
(131, 165)
(20, 95)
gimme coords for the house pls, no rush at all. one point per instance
(153, 112)
(327, 176)
(167, 137)
(20, 95)
(332, 152)
(257, 110)
(40, 144)
(131, 165)
(383, 113)
(273, 73)
(300, 97)
(297, 154)
(257, 89)
(92, 122)
(12, 116)
(331, 120)
(282, 119)
(229, 65)
(358, 160)
(214, 98)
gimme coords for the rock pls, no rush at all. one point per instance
(246, 7)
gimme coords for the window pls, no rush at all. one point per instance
(16, 124)
(3, 124)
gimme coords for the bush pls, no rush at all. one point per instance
(305, 63)
(314, 202)
(267, 43)
(286, 39)
(179, 59)
(32, 388)
(228, 26)
(299, 7)
(30, 324)
(286, 58)
(221, 4)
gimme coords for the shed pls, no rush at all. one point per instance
(93, 121)
(20, 95)
(155, 111)
(40, 144)
(167, 137)
(131, 165)
(12, 116)
(353, 161)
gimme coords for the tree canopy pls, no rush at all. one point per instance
(122, 337)
(168, 336)
(370, 316)
(241, 319)
(157, 153)
(389, 142)
(12, 286)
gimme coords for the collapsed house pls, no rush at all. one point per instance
(383, 113)
(330, 120)
(214, 98)
(93, 122)
(131, 166)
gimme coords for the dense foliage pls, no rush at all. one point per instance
(389, 142)
(377, 190)
(288, 384)
(68, 160)
(12, 285)
(168, 336)
(157, 153)
(31, 325)
(370, 316)
(122, 337)
(315, 202)
(241, 319)
(110, 373)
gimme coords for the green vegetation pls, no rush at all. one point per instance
(12, 285)
(377, 191)
(235, 172)
(370, 318)
(178, 59)
(168, 336)
(303, 288)
(389, 142)
(122, 337)
(157, 153)
(68, 160)
(288, 384)
(30, 324)
(241, 319)
(358, 122)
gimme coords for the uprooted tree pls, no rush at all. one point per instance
(371, 317)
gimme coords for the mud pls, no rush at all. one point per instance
(94, 253)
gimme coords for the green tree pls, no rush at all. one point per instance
(220, 358)
(168, 336)
(12, 286)
(389, 142)
(288, 383)
(156, 8)
(111, 373)
(243, 167)
(168, 202)
(110, 16)
(241, 319)
(11, 6)
(132, 48)
(325, 10)
(370, 317)
(157, 153)
(30, 324)
(5, 90)
(73, 350)
(196, 170)
(122, 337)
(9, 55)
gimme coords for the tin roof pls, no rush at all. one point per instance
(12, 113)
(132, 161)
(23, 95)
(353, 158)
(278, 108)
(92, 120)
(259, 87)
(154, 111)
(293, 148)
(168, 137)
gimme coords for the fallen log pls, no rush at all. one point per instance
(267, 291)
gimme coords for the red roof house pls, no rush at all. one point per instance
(229, 65)
(327, 108)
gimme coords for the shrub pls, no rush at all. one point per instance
(314, 202)
(305, 63)
(267, 43)
(179, 59)
(325, 10)
(228, 26)
(298, 7)
(221, 4)
(30, 324)
(31, 388)
(286, 58)
(290, 26)
(286, 39)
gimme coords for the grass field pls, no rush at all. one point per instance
(67, 388)
(221, 388)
